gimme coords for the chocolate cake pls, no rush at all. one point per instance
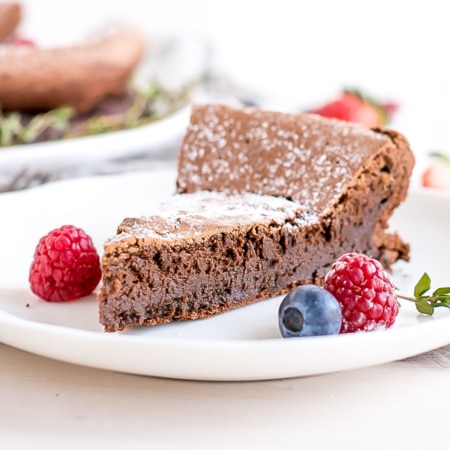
(265, 201)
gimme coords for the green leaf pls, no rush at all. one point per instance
(34, 128)
(61, 116)
(422, 286)
(424, 307)
(441, 291)
(442, 300)
(10, 127)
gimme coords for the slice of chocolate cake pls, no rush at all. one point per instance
(266, 201)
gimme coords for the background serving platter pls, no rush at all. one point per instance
(240, 345)
(169, 77)
(158, 139)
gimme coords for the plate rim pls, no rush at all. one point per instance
(198, 350)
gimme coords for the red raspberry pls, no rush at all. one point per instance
(65, 266)
(365, 292)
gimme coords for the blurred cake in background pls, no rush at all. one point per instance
(49, 93)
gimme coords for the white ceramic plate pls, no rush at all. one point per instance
(240, 345)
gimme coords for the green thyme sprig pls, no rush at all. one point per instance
(426, 304)
(151, 103)
(13, 130)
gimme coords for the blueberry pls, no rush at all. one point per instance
(309, 310)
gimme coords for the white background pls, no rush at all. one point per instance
(297, 52)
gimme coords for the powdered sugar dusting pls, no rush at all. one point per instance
(186, 216)
(298, 156)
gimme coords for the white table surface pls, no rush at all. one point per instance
(53, 405)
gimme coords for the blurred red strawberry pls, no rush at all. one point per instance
(437, 174)
(353, 106)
